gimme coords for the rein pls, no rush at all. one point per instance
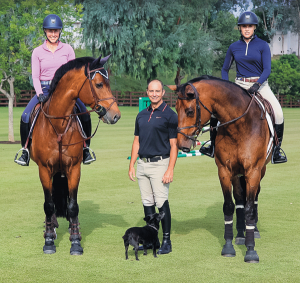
(198, 116)
(97, 108)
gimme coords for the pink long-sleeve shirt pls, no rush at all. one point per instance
(44, 63)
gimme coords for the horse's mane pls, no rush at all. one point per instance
(207, 77)
(73, 64)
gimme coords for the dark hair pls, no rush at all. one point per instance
(162, 84)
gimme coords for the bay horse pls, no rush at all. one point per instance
(57, 141)
(241, 145)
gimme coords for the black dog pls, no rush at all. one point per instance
(143, 235)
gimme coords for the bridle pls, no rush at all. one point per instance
(197, 125)
(97, 107)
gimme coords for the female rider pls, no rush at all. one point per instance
(45, 60)
(253, 67)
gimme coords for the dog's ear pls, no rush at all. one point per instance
(161, 215)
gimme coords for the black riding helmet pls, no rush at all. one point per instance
(52, 21)
(248, 18)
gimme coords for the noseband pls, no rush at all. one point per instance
(197, 125)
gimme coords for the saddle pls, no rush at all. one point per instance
(267, 113)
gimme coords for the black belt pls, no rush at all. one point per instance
(155, 158)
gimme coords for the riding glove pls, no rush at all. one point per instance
(254, 88)
(42, 98)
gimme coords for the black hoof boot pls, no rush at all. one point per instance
(76, 248)
(240, 238)
(251, 256)
(228, 249)
(49, 247)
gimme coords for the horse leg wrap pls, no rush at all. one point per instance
(240, 219)
(228, 235)
(250, 226)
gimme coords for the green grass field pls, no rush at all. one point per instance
(109, 203)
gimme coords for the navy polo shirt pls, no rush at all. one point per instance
(155, 129)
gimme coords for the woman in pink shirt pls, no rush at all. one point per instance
(45, 60)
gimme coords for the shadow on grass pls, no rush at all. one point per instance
(90, 219)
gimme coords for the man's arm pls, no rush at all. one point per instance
(168, 176)
(134, 156)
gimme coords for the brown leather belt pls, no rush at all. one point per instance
(248, 80)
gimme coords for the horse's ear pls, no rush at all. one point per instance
(103, 61)
(172, 87)
(96, 63)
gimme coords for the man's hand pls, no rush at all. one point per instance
(254, 88)
(42, 98)
(131, 174)
(168, 177)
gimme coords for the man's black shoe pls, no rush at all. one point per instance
(165, 248)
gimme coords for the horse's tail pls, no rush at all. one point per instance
(60, 194)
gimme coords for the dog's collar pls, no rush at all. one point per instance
(153, 227)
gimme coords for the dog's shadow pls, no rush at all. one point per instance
(213, 222)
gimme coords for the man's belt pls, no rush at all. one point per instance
(248, 80)
(154, 159)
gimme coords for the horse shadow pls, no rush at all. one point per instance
(91, 219)
(213, 222)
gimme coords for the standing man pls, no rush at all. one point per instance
(155, 143)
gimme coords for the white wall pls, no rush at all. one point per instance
(285, 44)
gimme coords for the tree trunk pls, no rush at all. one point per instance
(178, 77)
(11, 137)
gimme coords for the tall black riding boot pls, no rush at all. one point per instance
(278, 155)
(149, 210)
(24, 133)
(210, 150)
(166, 246)
(87, 157)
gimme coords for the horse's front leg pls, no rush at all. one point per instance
(228, 210)
(73, 210)
(252, 185)
(50, 221)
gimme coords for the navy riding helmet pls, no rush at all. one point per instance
(52, 21)
(248, 18)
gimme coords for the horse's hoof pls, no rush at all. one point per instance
(251, 257)
(256, 235)
(76, 248)
(49, 249)
(228, 250)
(240, 240)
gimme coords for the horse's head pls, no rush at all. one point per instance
(189, 116)
(100, 98)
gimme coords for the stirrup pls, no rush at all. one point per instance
(204, 150)
(281, 153)
(20, 163)
(93, 157)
